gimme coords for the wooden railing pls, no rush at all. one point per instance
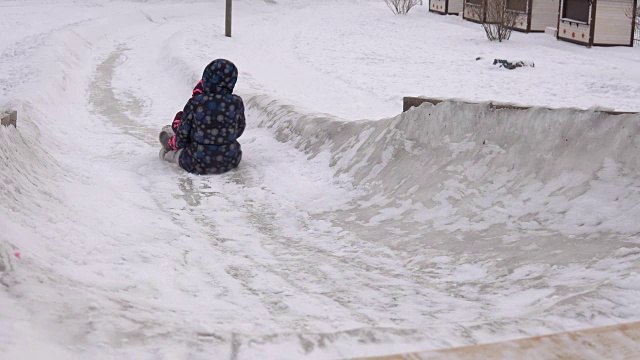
(610, 342)
(410, 101)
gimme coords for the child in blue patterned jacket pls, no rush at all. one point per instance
(203, 136)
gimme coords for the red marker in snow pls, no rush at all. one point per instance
(17, 254)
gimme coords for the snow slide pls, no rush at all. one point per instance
(444, 226)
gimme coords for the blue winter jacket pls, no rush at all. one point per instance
(212, 122)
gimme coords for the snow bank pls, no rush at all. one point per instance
(566, 170)
(483, 198)
(52, 226)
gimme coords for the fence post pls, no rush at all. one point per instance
(227, 31)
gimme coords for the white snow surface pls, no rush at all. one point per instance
(444, 226)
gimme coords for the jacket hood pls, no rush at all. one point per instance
(219, 77)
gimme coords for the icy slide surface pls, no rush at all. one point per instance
(445, 226)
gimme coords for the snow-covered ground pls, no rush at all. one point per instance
(336, 237)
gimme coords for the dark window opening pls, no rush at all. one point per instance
(517, 5)
(576, 10)
(475, 2)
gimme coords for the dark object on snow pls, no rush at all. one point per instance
(10, 118)
(511, 64)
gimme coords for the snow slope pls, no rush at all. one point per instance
(448, 225)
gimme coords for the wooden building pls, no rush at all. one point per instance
(481, 11)
(446, 7)
(475, 10)
(597, 22)
(535, 15)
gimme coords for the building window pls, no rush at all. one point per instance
(517, 5)
(577, 10)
